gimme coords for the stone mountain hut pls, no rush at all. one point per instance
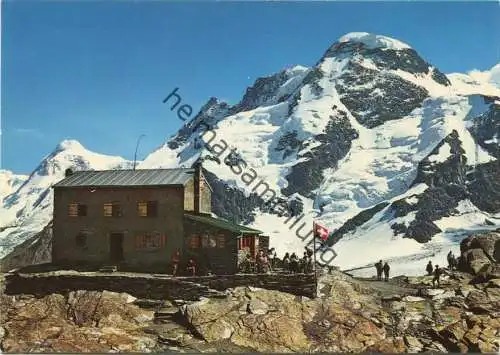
(137, 219)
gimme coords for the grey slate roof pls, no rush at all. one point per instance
(122, 178)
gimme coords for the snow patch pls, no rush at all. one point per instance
(373, 41)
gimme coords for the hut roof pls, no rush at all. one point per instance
(222, 224)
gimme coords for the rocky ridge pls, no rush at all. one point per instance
(406, 314)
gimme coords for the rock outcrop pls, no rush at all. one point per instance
(481, 255)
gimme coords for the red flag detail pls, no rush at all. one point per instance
(321, 231)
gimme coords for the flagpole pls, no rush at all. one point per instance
(314, 253)
(314, 245)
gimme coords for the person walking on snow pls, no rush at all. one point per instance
(378, 266)
(437, 274)
(429, 268)
(386, 271)
(451, 260)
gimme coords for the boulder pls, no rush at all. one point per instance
(413, 299)
(488, 242)
(389, 345)
(414, 345)
(480, 250)
(479, 302)
(257, 306)
(432, 292)
(453, 334)
(493, 283)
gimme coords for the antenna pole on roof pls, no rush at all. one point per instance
(136, 147)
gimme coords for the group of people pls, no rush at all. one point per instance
(437, 271)
(382, 268)
(190, 266)
(292, 263)
(266, 262)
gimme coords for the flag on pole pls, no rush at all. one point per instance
(321, 231)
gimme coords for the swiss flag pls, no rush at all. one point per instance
(321, 231)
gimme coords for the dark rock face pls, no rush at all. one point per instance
(386, 96)
(447, 187)
(486, 127)
(449, 183)
(231, 203)
(312, 79)
(210, 114)
(264, 92)
(484, 186)
(356, 222)
(306, 176)
(450, 171)
(405, 59)
(288, 144)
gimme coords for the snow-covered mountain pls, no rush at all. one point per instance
(10, 182)
(28, 209)
(374, 142)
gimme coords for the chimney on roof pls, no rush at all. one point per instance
(197, 185)
(68, 172)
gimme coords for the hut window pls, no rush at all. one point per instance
(208, 241)
(204, 241)
(147, 208)
(212, 241)
(77, 210)
(245, 242)
(221, 241)
(194, 242)
(112, 210)
(148, 241)
(81, 240)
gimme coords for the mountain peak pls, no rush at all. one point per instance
(69, 144)
(373, 41)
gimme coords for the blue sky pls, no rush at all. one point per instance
(98, 71)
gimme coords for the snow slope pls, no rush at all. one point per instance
(10, 182)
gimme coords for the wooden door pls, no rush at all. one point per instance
(116, 247)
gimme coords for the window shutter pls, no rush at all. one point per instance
(152, 208)
(82, 210)
(117, 210)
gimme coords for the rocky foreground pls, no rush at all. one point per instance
(403, 315)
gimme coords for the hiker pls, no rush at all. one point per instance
(451, 260)
(262, 263)
(294, 263)
(191, 267)
(270, 258)
(303, 263)
(275, 260)
(286, 262)
(378, 266)
(437, 274)
(309, 264)
(429, 268)
(386, 271)
(176, 258)
(244, 265)
(455, 263)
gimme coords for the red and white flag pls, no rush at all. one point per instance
(321, 231)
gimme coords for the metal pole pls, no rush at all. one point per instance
(136, 147)
(314, 246)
